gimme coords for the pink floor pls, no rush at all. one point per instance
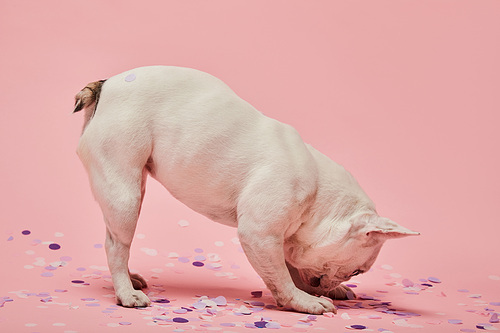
(404, 94)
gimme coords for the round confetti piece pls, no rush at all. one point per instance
(198, 250)
(98, 246)
(220, 301)
(356, 327)
(183, 223)
(198, 264)
(26, 232)
(273, 325)
(183, 260)
(131, 77)
(54, 246)
(434, 279)
(47, 274)
(180, 320)
(162, 300)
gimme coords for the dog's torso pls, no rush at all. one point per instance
(204, 143)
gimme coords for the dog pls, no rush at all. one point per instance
(303, 221)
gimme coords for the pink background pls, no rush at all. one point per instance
(404, 94)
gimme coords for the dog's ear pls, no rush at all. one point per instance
(381, 227)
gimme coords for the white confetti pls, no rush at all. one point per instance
(183, 223)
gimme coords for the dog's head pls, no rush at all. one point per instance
(331, 254)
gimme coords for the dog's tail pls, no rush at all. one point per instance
(88, 95)
(87, 99)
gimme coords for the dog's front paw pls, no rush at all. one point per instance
(342, 292)
(303, 302)
(133, 298)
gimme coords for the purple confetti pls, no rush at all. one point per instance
(468, 330)
(273, 325)
(98, 246)
(81, 269)
(50, 268)
(260, 324)
(54, 246)
(484, 326)
(463, 290)
(350, 285)
(161, 300)
(183, 259)
(180, 320)
(199, 305)
(358, 327)
(434, 279)
(495, 303)
(494, 318)
(256, 294)
(198, 264)
(129, 78)
(455, 321)
(228, 324)
(26, 232)
(257, 303)
(220, 300)
(47, 274)
(60, 290)
(77, 281)
(93, 304)
(180, 311)
(10, 238)
(198, 250)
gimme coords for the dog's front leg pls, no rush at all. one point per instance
(264, 249)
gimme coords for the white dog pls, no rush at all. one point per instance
(303, 221)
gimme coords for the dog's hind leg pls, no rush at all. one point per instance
(116, 163)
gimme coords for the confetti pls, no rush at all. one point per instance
(434, 279)
(180, 320)
(26, 232)
(356, 327)
(129, 78)
(183, 223)
(54, 246)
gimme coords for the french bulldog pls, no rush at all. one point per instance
(303, 221)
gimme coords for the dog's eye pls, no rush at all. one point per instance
(356, 272)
